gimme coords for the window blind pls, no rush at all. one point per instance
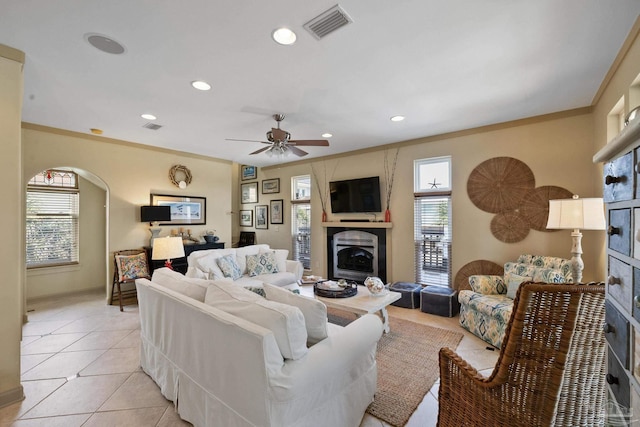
(301, 233)
(432, 238)
(52, 228)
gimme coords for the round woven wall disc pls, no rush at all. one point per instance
(509, 227)
(475, 267)
(535, 206)
(500, 184)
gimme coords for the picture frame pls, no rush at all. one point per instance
(249, 192)
(271, 186)
(277, 213)
(184, 210)
(246, 218)
(249, 172)
(262, 217)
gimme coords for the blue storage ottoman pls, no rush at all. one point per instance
(410, 297)
(439, 300)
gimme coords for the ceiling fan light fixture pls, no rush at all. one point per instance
(201, 85)
(284, 36)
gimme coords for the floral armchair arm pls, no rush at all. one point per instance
(487, 284)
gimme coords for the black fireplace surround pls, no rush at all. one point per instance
(358, 259)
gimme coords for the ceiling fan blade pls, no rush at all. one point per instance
(279, 134)
(297, 151)
(260, 150)
(310, 142)
(246, 140)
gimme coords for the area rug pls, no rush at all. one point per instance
(407, 359)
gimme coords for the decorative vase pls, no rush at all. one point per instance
(387, 216)
(324, 216)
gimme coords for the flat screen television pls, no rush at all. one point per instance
(355, 195)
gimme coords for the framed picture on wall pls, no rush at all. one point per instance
(249, 192)
(184, 210)
(262, 216)
(276, 211)
(271, 186)
(249, 172)
(246, 218)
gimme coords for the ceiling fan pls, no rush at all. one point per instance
(280, 143)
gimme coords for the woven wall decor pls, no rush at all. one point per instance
(535, 206)
(180, 176)
(500, 184)
(509, 227)
(475, 267)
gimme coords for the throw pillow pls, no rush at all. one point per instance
(281, 257)
(193, 288)
(229, 267)
(285, 321)
(514, 283)
(264, 263)
(132, 266)
(314, 311)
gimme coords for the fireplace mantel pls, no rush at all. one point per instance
(357, 224)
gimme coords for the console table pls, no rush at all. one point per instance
(180, 264)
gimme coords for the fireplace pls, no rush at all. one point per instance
(356, 253)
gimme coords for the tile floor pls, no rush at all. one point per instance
(80, 367)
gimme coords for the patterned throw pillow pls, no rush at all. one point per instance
(229, 266)
(264, 263)
(514, 284)
(132, 266)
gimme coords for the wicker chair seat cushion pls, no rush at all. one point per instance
(498, 306)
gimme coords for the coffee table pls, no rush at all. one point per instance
(364, 303)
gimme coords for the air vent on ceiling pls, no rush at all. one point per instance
(152, 126)
(327, 22)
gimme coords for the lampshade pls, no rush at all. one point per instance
(167, 248)
(582, 214)
(155, 213)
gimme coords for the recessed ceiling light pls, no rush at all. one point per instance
(200, 85)
(327, 135)
(284, 36)
(148, 116)
(104, 43)
(397, 118)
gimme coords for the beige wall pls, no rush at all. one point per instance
(557, 150)
(11, 218)
(90, 273)
(130, 172)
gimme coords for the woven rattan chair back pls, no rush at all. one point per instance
(550, 371)
(129, 294)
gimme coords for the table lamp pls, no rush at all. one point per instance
(167, 248)
(576, 214)
(153, 214)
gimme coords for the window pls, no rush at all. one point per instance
(432, 221)
(301, 219)
(52, 219)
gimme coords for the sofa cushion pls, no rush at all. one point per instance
(285, 321)
(207, 261)
(229, 267)
(537, 274)
(514, 284)
(193, 288)
(262, 263)
(281, 278)
(281, 257)
(241, 254)
(497, 306)
(314, 311)
(488, 284)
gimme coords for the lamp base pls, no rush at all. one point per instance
(577, 265)
(168, 264)
(155, 233)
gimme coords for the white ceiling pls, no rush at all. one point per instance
(446, 65)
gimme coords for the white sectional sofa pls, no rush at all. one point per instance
(221, 369)
(206, 265)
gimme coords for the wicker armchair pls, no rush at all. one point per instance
(551, 367)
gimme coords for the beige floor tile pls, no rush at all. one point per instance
(479, 359)
(139, 391)
(147, 417)
(62, 365)
(51, 343)
(126, 321)
(130, 341)
(370, 421)
(34, 392)
(98, 340)
(61, 421)
(29, 361)
(29, 340)
(170, 418)
(78, 396)
(43, 327)
(427, 413)
(84, 324)
(114, 361)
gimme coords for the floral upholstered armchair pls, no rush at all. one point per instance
(485, 310)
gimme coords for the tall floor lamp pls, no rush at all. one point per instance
(576, 214)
